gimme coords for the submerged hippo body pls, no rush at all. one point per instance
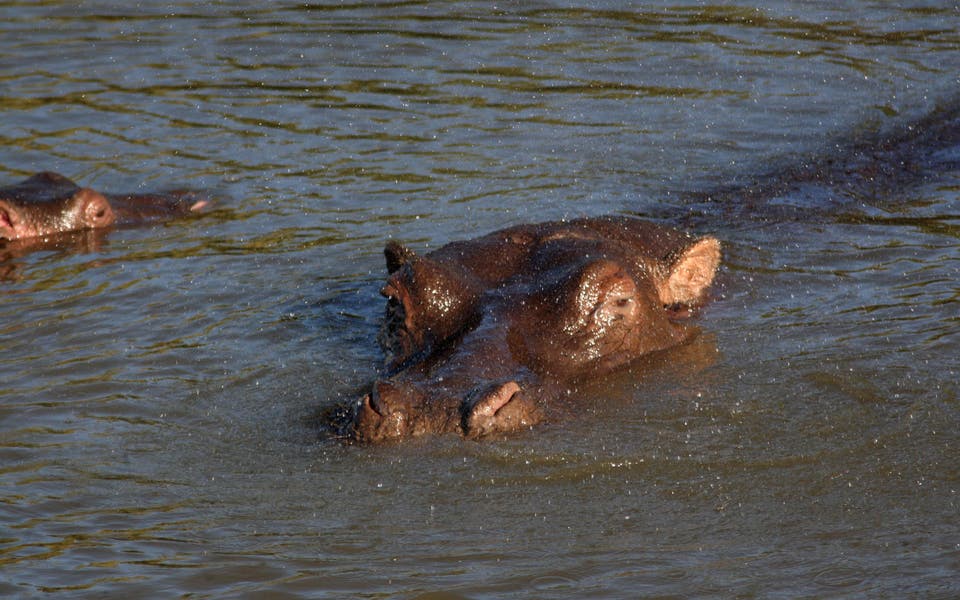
(49, 203)
(480, 335)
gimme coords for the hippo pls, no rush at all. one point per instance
(49, 203)
(480, 336)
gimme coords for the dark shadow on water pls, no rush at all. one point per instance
(866, 169)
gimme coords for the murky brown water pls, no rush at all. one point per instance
(158, 387)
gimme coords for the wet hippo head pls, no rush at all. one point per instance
(480, 335)
(48, 203)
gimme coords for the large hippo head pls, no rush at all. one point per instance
(49, 203)
(480, 335)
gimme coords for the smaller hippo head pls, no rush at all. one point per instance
(47, 204)
(480, 336)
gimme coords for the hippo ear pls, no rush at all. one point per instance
(691, 274)
(397, 255)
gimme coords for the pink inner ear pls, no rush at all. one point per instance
(691, 274)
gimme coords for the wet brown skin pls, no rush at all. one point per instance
(48, 203)
(480, 336)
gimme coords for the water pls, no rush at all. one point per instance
(159, 388)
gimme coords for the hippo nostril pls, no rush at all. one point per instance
(498, 408)
(492, 399)
(382, 414)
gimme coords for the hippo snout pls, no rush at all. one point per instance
(397, 410)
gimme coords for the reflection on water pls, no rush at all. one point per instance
(158, 386)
